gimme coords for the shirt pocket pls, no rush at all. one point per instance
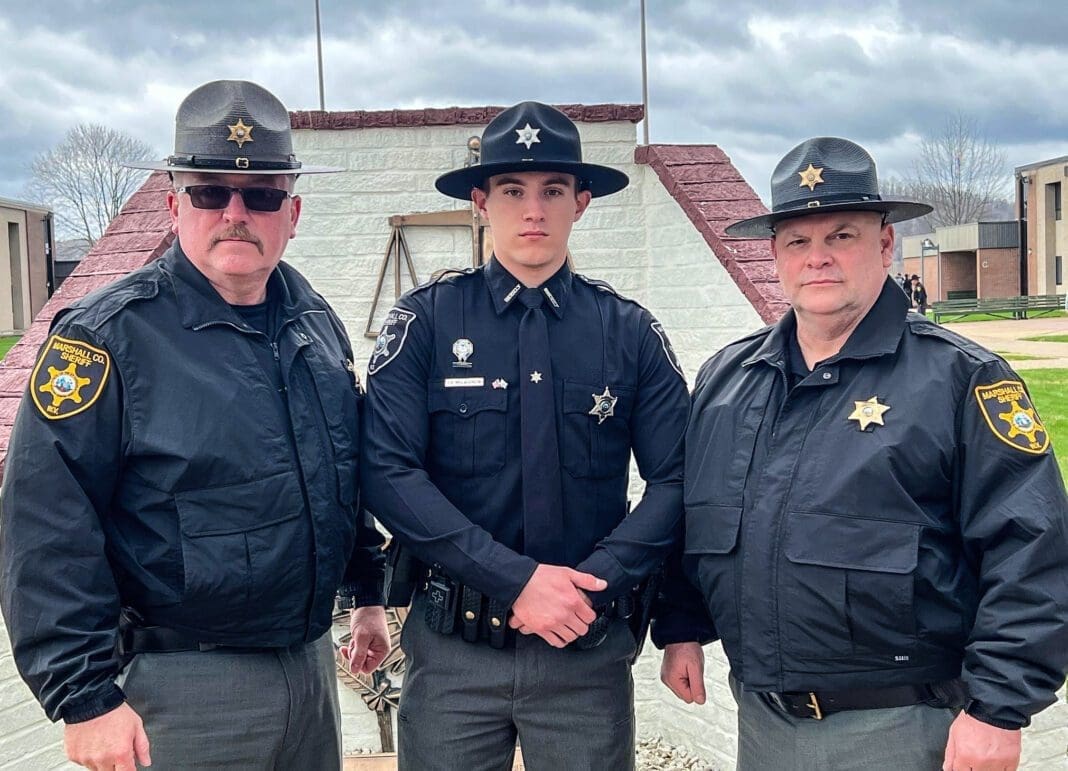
(242, 544)
(468, 430)
(848, 585)
(592, 447)
(710, 551)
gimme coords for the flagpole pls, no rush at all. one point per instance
(319, 56)
(645, 83)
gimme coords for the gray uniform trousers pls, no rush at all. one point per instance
(269, 711)
(464, 704)
(909, 738)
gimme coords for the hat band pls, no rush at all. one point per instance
(239, 163)
(826, 200)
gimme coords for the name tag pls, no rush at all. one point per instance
(465, 382)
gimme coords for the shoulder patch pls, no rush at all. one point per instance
(391, 339)
(1010, 415)
(673, 360)
(68, 377)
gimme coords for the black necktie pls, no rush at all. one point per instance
(542, 497)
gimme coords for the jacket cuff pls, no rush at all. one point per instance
(603, 565)
(670, 628)
(996, 718)
(100, 703)
(361, 594)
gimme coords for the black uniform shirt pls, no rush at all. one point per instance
(442, 446)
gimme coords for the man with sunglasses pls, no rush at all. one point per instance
(180, 499)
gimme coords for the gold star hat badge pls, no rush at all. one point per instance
(868, 412)
(1008, 412)
(68, 378)
(811, 177)
(240, 133)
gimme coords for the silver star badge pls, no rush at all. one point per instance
(527, 136)
(604, 406)
(535, 377)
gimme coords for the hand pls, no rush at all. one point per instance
(369, 640)
(977, 746)
(554, 606)
(110, 742)
(683, 671)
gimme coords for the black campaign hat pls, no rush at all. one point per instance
(531, 137)
(822, 175)
(233, 127)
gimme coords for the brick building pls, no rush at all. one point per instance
(1039, 195)
(978, 259)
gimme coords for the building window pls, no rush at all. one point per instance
(1053, 196)
(1058, 270)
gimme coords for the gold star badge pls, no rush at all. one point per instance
(811, 177)
(240, 133)
(869, 412)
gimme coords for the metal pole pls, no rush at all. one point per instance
(645, 84)
(319, 56)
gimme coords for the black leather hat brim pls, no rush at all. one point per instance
(164, 166)
(601, 180)
(762, 226)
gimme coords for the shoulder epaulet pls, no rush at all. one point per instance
(442, 276)
(97, 307)
(918, 325)
(604, 286)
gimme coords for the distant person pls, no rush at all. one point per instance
(918, 293)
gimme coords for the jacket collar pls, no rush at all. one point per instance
(199, 304)
(877, 334)
(504, 288)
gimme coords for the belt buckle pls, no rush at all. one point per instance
(814, 705)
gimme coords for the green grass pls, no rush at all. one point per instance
(6, 342)
(1007, 356)
(1047, 339)
(1047, 387)
(988, 317)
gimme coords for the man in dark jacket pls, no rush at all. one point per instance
(179, 507)
(874, 515)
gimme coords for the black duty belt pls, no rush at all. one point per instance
(454, 607)
(818, 704)
(161, 639)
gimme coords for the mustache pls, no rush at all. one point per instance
(240, 232)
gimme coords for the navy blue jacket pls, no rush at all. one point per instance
(182, 484)
(841, 542)
(442, 464)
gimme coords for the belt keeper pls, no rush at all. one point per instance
(496, 622)
(470, 613)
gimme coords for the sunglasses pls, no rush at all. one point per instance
(218, 197)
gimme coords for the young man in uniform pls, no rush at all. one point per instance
(504, 403)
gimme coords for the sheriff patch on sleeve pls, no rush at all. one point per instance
(68, 377)
(673, 360)
(391, 339)
(1010, 415)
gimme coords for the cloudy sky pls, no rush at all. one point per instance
(753, 77)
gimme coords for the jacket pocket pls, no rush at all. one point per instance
(711, 551)
(848, 585)
(242, 543)
(595, 446)
(468, 430)
(339, 399)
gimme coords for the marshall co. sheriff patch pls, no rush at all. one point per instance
(1008, 412)
(68, 377)
(391, 339)
(673, 360)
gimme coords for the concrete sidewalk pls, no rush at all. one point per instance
(1005, 337)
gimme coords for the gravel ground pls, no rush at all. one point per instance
(654, 754)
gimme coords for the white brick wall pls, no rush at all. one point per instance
(638, 240)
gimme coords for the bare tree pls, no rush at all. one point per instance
(959, 172)
(83, 180)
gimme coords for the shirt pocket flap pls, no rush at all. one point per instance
(465, 402)
(852, 543)
(712, 528)
(584, 397)
(239, 508)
